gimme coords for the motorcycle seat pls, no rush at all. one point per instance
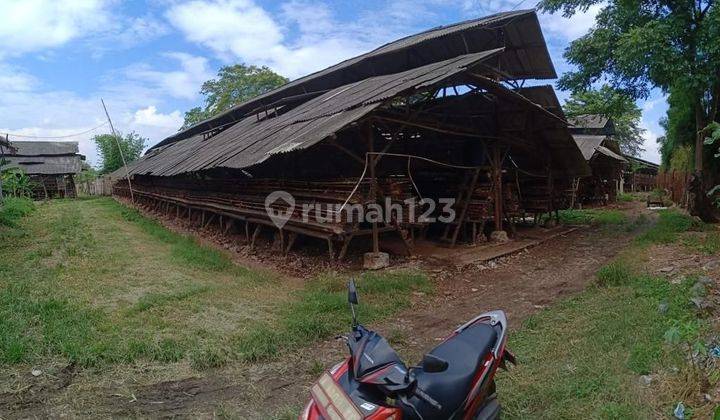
(464, 353)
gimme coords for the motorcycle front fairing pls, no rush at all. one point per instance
(372, 371)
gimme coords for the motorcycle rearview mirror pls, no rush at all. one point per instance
(352, 299)
(352, 293)
(433, 364)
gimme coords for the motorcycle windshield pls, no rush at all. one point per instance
(373, 353)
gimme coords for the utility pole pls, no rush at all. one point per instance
(2, 162)
(122, 155)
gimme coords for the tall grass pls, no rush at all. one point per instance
(12, 209)
(582, 357)
(321, 310)
(593, 216)
(185, 249)
(668, 227)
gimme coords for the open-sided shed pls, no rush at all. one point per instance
(594, 136)
(438, 115)
(51, 166)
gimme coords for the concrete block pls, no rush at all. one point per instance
(499, 236)
(373, 261)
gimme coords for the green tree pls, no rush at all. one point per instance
(641, 44)
(613, 104)
(234, 85)
(132, 146)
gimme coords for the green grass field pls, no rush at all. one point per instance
(582, 357)
(93, 282)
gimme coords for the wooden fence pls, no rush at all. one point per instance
(99, 186)
(675, 183)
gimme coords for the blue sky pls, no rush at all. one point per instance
(148, 58)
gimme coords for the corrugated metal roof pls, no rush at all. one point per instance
(250, 141)
(642, 161)
(609, 153)
(45, 165)
(588, 144)
(526, 57)
(589, 121)
(556, 139)
(44, 148)
(544, 95)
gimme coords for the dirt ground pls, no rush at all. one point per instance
(519, 284)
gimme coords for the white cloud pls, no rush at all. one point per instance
(31, 25)
(570, 28)
(183, 83)
(14, 80)
(241, 30)
(235, 27)
(150, 117)
(133, 105)
(652, 151)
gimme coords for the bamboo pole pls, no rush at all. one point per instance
(122, 155)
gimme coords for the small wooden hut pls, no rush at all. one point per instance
(51, 166)
(640, 174)
(594, 137)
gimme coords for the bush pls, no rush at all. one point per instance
(593, 216)
(614, 274)
(670, 224)
(13, 209)
(625, 197)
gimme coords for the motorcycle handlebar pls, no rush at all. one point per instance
(428, 399)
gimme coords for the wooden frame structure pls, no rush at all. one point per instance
(457, 126)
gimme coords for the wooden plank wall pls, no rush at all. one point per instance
(675, 183)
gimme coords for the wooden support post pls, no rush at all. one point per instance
(228, 226)
(346, 244)
(373, 184)
(291, 240)
(497, 187)
(209, 220)
(247, 231)
(331, 248)
(255, 235)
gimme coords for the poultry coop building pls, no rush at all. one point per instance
(436, 115)
(51, 166)
(594, 137)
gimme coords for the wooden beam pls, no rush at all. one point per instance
(497, 187)
(373, 184)
(347, 151)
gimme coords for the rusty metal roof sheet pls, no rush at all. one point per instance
(589, 121)
(544, 95)
(252, 141)
(525, 57)
(44, 148)
(588, 144)
(45, 165)
(609, 153)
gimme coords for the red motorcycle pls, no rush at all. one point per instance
(454, 381)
